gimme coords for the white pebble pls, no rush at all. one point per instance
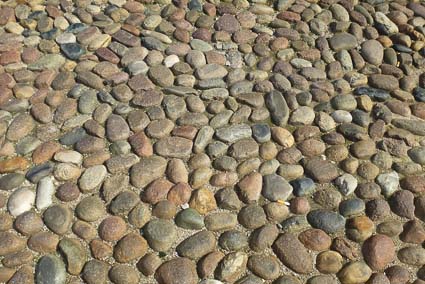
(45, 190)
(389, 183)
(210, 281)
(342, 116)
(69, 156)
(66, 38)
(20, 201)
(170, 60)
(346, 184)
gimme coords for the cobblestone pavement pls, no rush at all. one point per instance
(207, 141)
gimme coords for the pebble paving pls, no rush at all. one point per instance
(212, 142)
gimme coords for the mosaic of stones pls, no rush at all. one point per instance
(207, 141)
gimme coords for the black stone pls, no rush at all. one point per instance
(419, 94)
(327, 221)
(72, 50)
(375, 94)
(261, 132)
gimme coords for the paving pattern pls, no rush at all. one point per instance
(207, 141)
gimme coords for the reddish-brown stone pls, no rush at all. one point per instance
(112, 228)
(415, 184)
(378, 251)
(180, 193)
(315, 239)
(141, 144)
(156, 191)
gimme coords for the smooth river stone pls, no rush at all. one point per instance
(278, 108)
(147, 170)
(20, 201)
(234, 133)
(174, 147)
(92, 178)
(50, 269)
(45, 191)
(293, 254)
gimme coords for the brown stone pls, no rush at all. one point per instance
(322, 171)
(123, 274)
(112, 228)
(289, 16)
(397, 274)
(96, 158)
(148, 98)
(185, 131)
(42, 113)
(203, 201)
(378, 278)
(177, 271)
(10, 243)
(140, 83)
(28, 223)
(6, 274)
(177, 172)
(84, 230)
(360, 228)
(5, 95)
(227, 23)
(43, 242)
(30, 55)
(45, 152)
(17, 259)
(66, 107)
(180, 193)
(24, 275)
(250, 187)
(9, 57)
(100, 250)
(345, 248)
(315, 239)
(130, 247)
(385, 82)
(126, 38)
(415, 184)
(6, 222)
(209, 263)
(329, 262)
(13, 165)
(311, 147)
(413, 232)
(378, 251)
(67, 192)
(106, 54)
(293, 254)
(299, 205)
(156, 191)
(89, 145)
(363, 149)
(141, 144)
(149, 264)
(402, 204)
